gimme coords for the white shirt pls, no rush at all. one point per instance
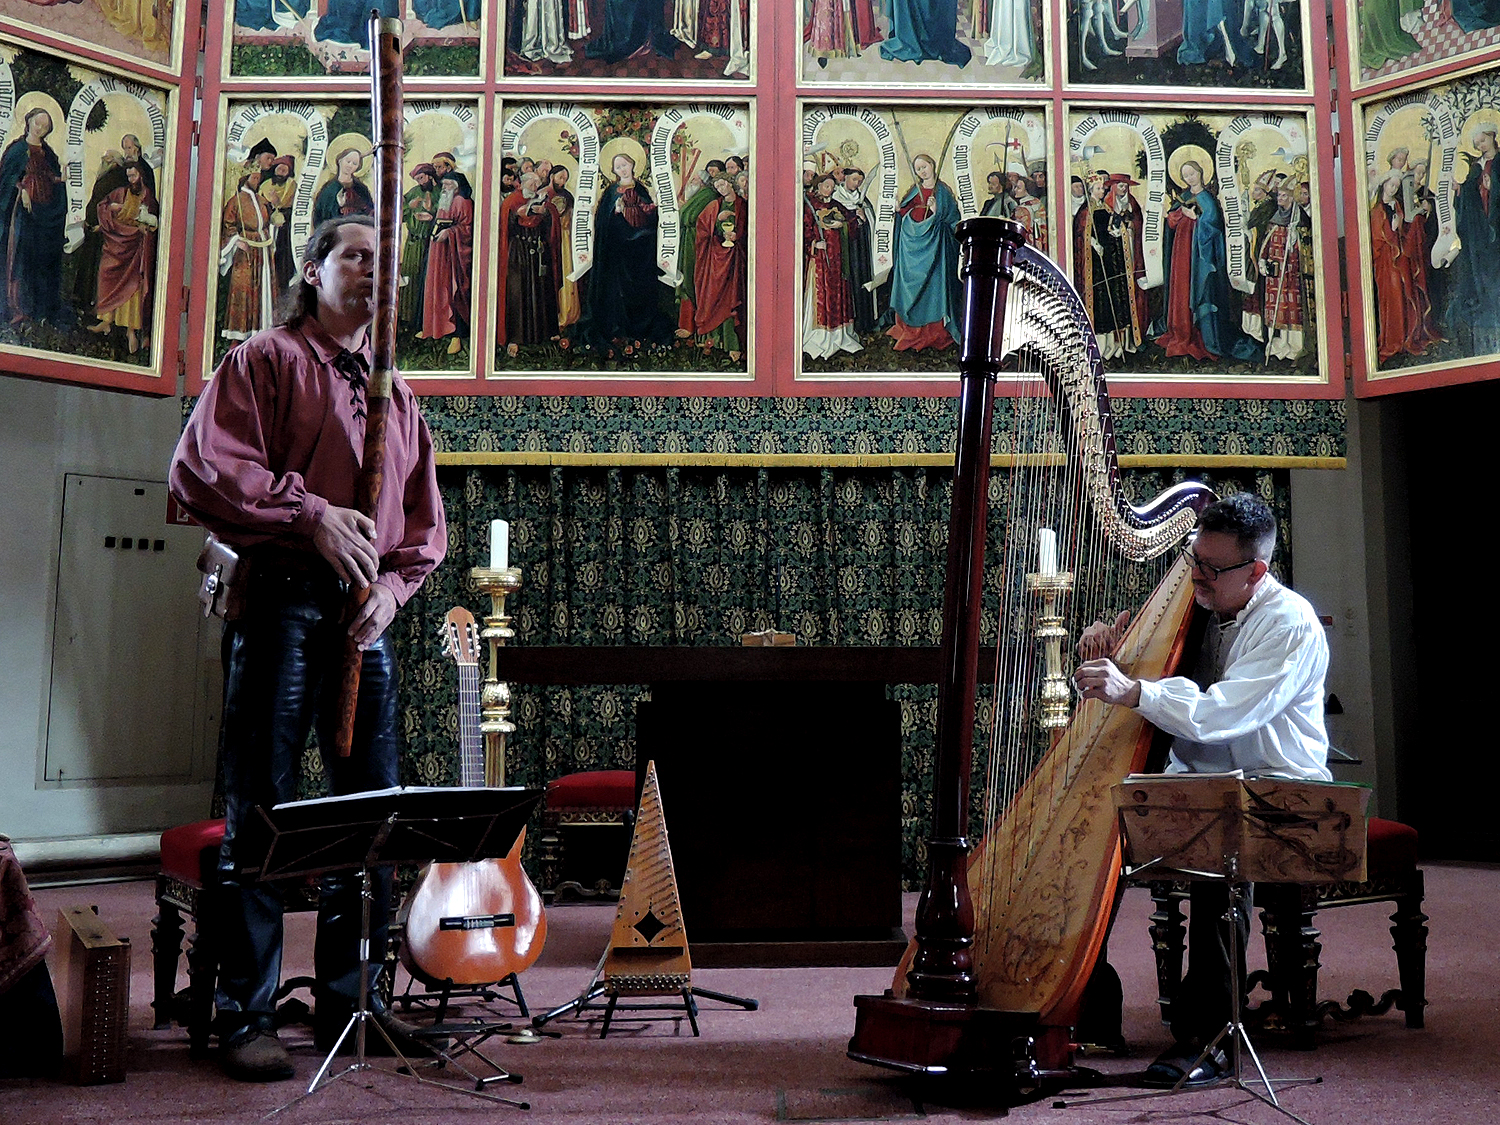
(1262, 709)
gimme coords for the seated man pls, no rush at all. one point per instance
(1254, 703)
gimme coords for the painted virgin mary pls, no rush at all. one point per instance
(1200, 321)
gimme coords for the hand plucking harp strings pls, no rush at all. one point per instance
(1099, 677)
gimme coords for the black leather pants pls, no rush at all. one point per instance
(281, 676)
(1202, 1007)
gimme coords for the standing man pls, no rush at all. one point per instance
(418, 209)
(268, 462)
(1254, 703)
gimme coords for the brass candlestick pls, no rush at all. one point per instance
(1056, 698)
(494, 696)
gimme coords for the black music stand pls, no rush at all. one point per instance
(384, 828)
(1239, 831)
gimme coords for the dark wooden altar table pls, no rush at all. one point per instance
(780, 773)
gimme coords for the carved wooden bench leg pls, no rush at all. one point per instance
(1168, 938)
(1292, 950)
(550, 855)
(1409, 936)
(166, 948)
(203, 972)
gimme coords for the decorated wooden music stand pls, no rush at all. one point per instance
(1239, 831)
(382, 828)
(647, 953)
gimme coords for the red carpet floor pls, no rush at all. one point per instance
(786, 1061)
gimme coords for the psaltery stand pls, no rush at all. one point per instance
(386, 827)
(647, 954)
(1237, 831)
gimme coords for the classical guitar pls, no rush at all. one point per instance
(457, 915)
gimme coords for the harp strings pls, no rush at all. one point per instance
(1027, 766)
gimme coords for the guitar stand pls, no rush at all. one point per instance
(442, 993)
(1234, 1031)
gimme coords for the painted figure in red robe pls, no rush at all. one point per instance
(1403, 315)
(450, 263)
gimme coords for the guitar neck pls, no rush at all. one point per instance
(471, 772)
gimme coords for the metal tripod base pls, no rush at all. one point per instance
(1234, 1030)
(357, 1026)
(1238, 1037)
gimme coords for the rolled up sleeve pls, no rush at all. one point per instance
(221, 470)
(1258, 685)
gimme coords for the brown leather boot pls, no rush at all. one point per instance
(256, 1055)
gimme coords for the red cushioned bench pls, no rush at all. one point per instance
(587, 819)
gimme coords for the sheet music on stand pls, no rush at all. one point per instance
(1279, 830)
(434, 824)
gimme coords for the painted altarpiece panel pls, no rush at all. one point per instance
(86, 214)
(282, 166)
(330, 38)
(1230, 44)
(624, 236)
(882, 189)
(1409, 39)
(145, 31)
(925, 42)
(647, 41)
(1429, 231)
(1194, 239)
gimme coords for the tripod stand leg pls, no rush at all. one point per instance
(725, 998)
(692, 1008)
(593, 992)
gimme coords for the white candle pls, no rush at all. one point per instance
(499, 545)
(1047, 543)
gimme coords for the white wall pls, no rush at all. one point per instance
(46, 431)
(1332, 539)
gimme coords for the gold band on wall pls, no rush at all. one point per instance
(870, 460)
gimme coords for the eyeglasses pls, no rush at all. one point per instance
(1215, 572)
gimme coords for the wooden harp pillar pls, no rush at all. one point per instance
(938, 1028)
(942, 969)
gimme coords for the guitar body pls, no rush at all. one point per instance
(474, 891)
(455, 920)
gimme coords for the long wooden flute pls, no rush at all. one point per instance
(386, 114)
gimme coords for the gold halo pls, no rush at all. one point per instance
(1479, 117)
(631, 148)
(341, 142)
(1198, 155)
(38, 99)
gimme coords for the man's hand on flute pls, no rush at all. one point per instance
(375, 613)
(344, 538)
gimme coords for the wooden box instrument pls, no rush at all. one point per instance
(1274, 830)
(93, 971)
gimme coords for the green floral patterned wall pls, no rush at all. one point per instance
(698, 554)
(658, 556)
(1233, 428)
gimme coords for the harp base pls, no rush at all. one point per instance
(942, 1040)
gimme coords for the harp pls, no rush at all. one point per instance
(1009, 929)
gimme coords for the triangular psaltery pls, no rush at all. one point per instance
(648, 949)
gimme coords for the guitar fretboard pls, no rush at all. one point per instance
(470, 740)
